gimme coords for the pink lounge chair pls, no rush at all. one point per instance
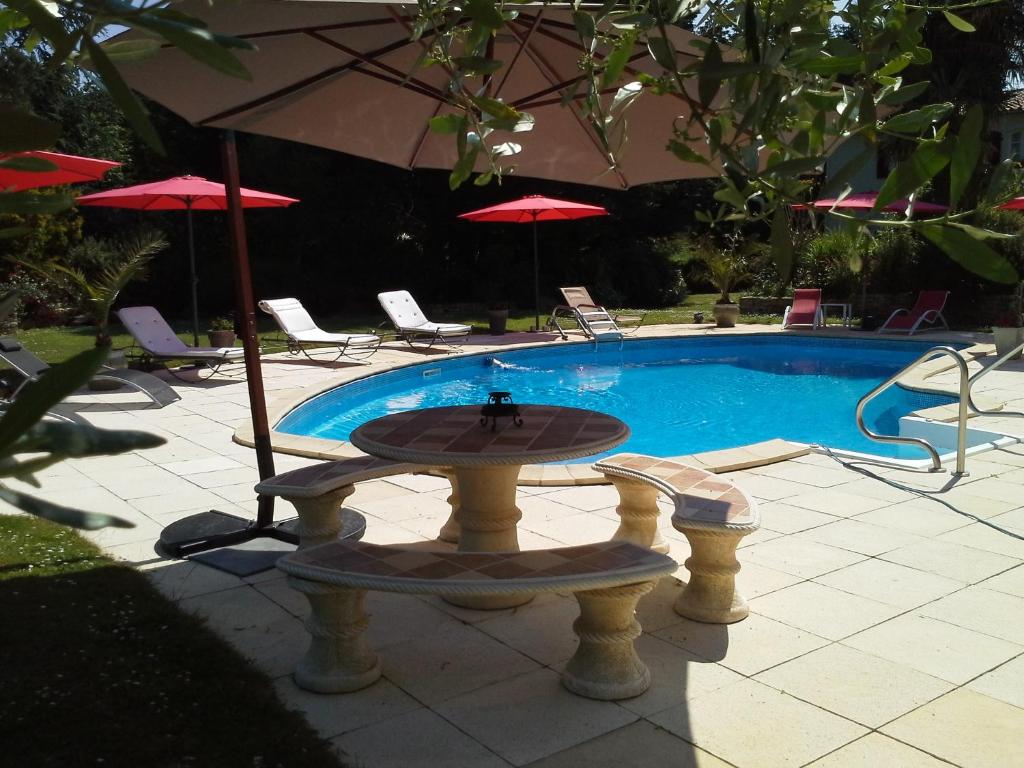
(805, 310)
(927, 309)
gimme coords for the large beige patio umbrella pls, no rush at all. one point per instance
(342, 74)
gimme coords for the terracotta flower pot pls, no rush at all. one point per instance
(221, 338)
(497, 319)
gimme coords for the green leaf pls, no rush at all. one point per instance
(486, 13)
(37, 397)
(682, 150)
(928, 159)
(916, 120)
(795, 166)
(782, 244)
(469, 149)
(75, 518)
(126, 101)
(130, 50)
(664, 52)
(833, 65)
(21, 131)
(707, 84)
(29, 203)
(906, 93)
(477, 65)
(8, 233)
(966, 247)
(585, 25)
(618, 59)
(965, 154)
(79, 440)
(447, 123)
(201, 44)
(27, 164)
(959, 23)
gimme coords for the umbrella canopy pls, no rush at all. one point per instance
(1017, 204)
(344, 75)
(865, 201)
(530, 210)
(184, 193)
(70, 169)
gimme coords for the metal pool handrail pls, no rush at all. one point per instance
(965, 396)
(984, 371)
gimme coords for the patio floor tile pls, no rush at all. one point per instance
(858, 686)
(179, 579)
(639, 745)
(1010, 582)
(450, 660)
(752, 725)
(1005, 683)
(922, 518)
(837, 503)
(418, 739)
(791, 554)
(822, 610)
(514, 718)
(784, 517)
(983, 610)
(890, 583)
(541, 629)
(935, 647)
(677, 675)
(951, 560)
(337, 714)
(965, 728)
(878, 751)
(860, 537)
(748, 646)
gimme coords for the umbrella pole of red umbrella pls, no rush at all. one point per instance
(213, 529)
(536, 278)
(192, 275)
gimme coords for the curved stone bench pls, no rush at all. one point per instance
(317, 492)
(607, 578)
(710, 511)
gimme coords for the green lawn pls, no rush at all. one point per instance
(59, 343)
(100, 669)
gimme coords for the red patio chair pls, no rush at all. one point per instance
(927, 309)
(805, 310)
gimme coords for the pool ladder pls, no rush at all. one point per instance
(966, 405)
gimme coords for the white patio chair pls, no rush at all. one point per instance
(410, 322)
(158, 342)
(302, 332)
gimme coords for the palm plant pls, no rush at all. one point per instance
(114, 265)
(725, 270)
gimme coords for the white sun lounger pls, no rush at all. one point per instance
(409, 320)
(302, 332)
(158, 342)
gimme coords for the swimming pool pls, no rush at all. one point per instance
(679, 395)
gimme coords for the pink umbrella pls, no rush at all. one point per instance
(1017, 204)
(184, 193)
(531, 209)
(865, 201)
(69, 169)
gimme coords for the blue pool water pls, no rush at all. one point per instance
(679, 396)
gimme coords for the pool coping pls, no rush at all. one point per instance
(724, 460)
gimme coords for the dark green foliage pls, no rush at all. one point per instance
(100, 669)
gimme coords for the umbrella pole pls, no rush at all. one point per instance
(213, 529)
(536, 279)
(194, 281)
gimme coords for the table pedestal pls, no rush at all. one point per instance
(487, 515)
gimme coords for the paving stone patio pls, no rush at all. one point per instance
(886, 626)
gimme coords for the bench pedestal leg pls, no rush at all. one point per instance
(487, 518)
(338, 659)
(606, 665)
(320, 517)
(710, 595)
(638, 513)
(450, 530)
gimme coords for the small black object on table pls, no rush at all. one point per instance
(499, 405)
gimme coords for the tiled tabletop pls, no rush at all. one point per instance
(454, 436)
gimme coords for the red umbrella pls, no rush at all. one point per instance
(865, 201)
(1017, 204)
(530, 210)
(68, 169)
(184, 193)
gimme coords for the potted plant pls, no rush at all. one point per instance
(222, 332)
(1008, 330)
(497, 317)
(724, 270)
